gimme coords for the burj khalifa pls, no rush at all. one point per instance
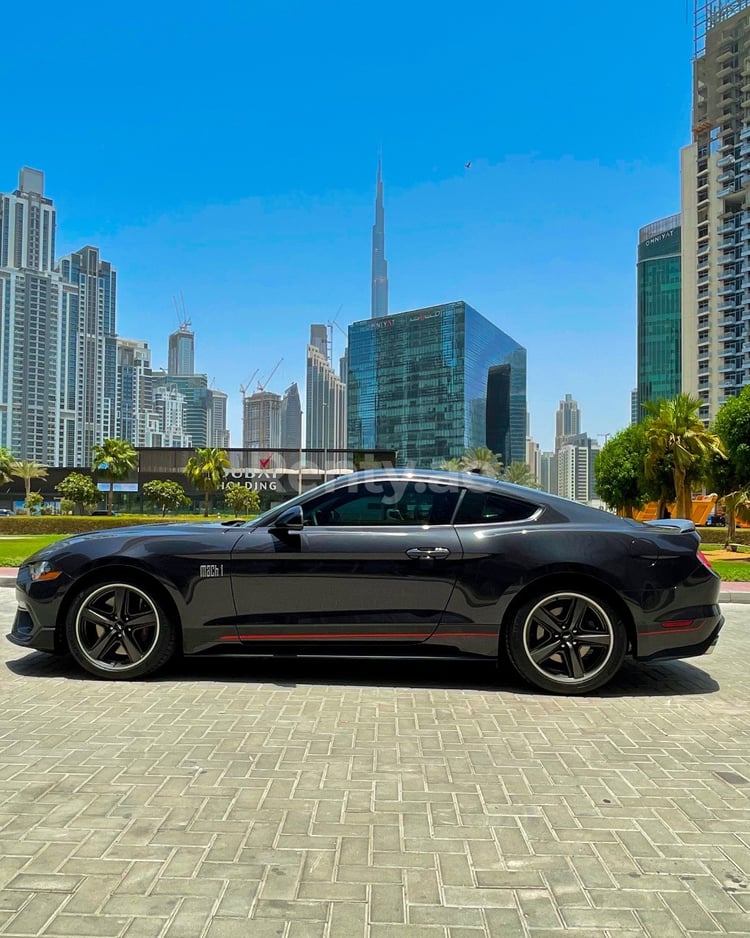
(379, 305)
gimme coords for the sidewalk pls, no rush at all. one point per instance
(730, 592)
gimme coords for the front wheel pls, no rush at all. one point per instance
(118, 631)
(566, 642)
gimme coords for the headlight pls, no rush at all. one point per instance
(43, 570)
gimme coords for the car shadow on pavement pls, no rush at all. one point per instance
(668, 679)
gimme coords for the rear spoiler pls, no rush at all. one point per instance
(675, 525)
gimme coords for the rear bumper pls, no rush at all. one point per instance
(689, 642)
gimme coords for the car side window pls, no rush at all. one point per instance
(491, 508)
(410, 503)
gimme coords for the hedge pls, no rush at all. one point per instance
(80, 524)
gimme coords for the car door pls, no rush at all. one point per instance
(371, 565)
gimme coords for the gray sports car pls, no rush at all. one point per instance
(403, 563)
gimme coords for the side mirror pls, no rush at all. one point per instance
(290, 520)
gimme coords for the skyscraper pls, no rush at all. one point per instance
(261, 420)
(325, 401)
(135, 413)
(567, 421)
(181, 353)
(90, 345)
(31, 341)
(217, 434)
(291, 418)
(193, 392)
(430, 383)
(659, 305)
(379, 302)
(715, 195)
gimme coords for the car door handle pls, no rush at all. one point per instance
(427, 553)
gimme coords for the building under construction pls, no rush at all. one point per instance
(716, 208)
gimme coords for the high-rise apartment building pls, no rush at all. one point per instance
(181, 351)
(567, 421)
(715, 196)
(193, 392)
(261, 421)
(548, 472)
(658, 289)
(90, 346)
(291, 418)
(325, 401)
(135, 416)
(575, 468)
(31, 340)
(379, 300)
(217, 433)
(431, 383)
(171, 409)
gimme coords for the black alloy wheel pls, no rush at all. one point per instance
(118, 631)
(566, 642)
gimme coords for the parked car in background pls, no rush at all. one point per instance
(5, 512)
(716, 520)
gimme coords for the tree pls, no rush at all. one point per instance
(241, 499)
(452, 465)
(167, 495)
(114, 460)
(730, 478)
(206, 472)
(79, 489)
(27, 469)
(483, 461)
(619, 470)
(33, 500)
(519, 474)
(674, 431)
(6, 462)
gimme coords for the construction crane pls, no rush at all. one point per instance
(182, 317)
(264, 385)
(331, 323)
(244, 388)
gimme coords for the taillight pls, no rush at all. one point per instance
(704, 560)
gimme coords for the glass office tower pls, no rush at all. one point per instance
(659, 312)
(431, 383)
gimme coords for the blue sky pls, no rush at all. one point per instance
(227, 152)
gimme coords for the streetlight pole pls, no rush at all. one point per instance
(325, 441)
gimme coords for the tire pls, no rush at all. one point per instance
(546, 642)
(119, 631)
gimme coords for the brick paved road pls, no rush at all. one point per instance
(245, 800)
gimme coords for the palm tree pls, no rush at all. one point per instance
(736, 505)
(6, 463)
(27, 469)
(520, 474)
(674, 432)
(483, 461)
(113, 460)
(206, 471)
(452, 465)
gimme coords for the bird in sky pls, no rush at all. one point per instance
(468, 165)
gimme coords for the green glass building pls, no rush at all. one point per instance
(431, 383)
(659, 284)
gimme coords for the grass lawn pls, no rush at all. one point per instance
(14, 550)
(732, 572)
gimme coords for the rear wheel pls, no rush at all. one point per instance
(119, 631)
(566, 642)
